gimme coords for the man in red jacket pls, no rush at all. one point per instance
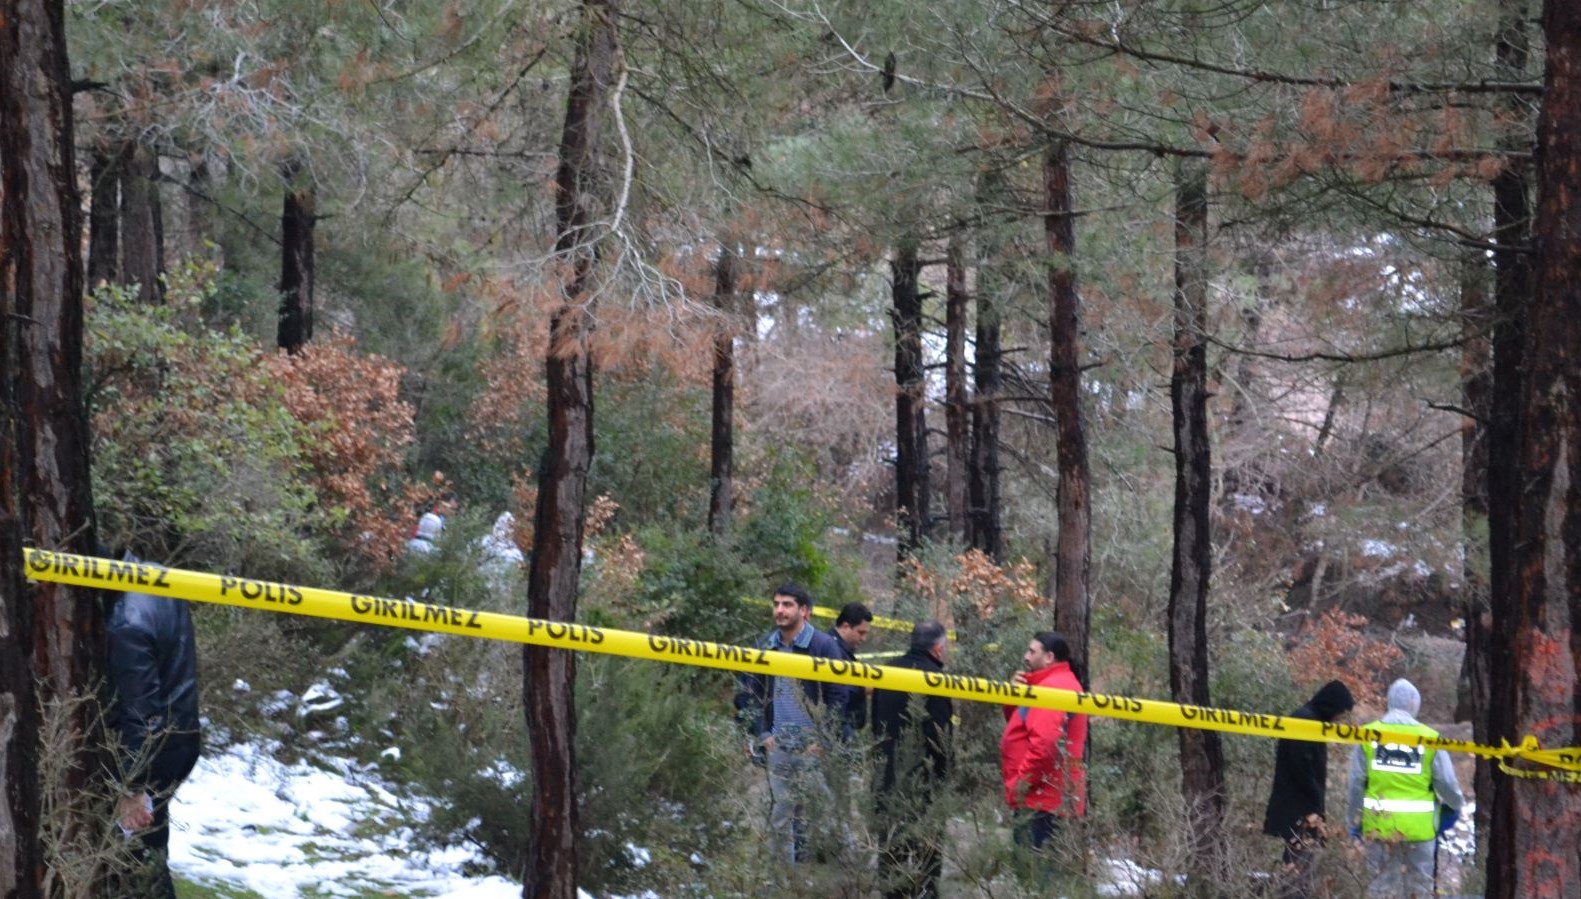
(1041, 751)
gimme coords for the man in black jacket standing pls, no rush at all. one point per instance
(913, 733)
(154, 674)
(850, 631)
(1296, 804)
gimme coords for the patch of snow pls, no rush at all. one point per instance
(320, 697)
(245, 819)
(1377, 549)
(1249, 502)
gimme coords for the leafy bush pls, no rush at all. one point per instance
(197, 458)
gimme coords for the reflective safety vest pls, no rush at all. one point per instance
(1400, 804)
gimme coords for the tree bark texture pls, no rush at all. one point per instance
(1536, 844)
(1201, 751)
(142, 227)
(1476, 367)
(104, 218)
(550, 674)
(721, 473)
(983, 531)
(296, 263)
(1512, 294)
(1073, 551)
(911, 433)
(957, 414)
(51, 636)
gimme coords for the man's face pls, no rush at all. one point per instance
(787, 614)
(1037, 657)
(855, 634)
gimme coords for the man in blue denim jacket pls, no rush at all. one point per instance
(791, 722)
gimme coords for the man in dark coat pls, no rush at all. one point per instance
(913, 733)
(1296, 804)
(850, 631)
(154, 673)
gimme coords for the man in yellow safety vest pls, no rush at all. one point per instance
(1402, 798)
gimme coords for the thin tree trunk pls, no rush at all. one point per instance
(1201, 751)
(1073, 552)
(957, 417)
(983, 522)
(550, 675)
(104, 218)
(142, 243)
(721, 474)
(911, 435)
(51, 636)
(296, 263)
(1536, 674)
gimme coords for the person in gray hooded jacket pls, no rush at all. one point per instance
(1402, 798)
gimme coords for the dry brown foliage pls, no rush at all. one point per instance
(976, 585)
(361, 428)
(1333, 647)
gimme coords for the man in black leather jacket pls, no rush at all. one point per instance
(154, 675)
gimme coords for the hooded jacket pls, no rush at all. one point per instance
(1404, 702)
(1301, 767)
(1043, 748)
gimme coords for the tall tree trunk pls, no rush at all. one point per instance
(1536, 673)
(957, 416)
(983, 531)
(51, 636)
(142, 230)
(721, 474)
(296, 262)
(1512, 294)
(1073, 552)
(549, 675)
(1201, 751)
(104, 218)
(1476, 367)
(911, 434)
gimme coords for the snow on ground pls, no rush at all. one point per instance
(244, 819)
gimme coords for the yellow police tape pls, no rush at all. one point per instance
(246, 593)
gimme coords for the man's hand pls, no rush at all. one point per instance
(135, 812)
(1020, 677)
(768, 743)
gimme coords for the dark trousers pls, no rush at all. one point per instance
(910, 860)
(1034, 829)
(168, 768)
(1040, 861)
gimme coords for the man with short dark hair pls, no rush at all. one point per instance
(850, 631)
(793, 720)
(1040, 752)
(914, 734)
